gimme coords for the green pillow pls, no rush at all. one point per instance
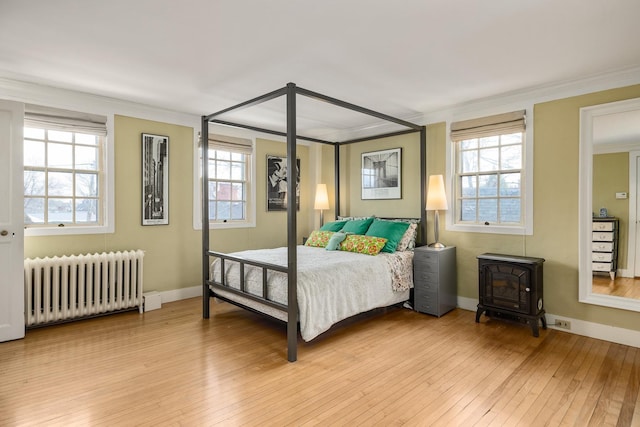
(333, 226)
(335, 240)
(357, 226)
(390, 230)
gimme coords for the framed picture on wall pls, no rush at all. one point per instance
(381, 173)
(278, 173)
(155, 179)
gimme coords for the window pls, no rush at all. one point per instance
(230, 190)
(490, 172)
(63, 169)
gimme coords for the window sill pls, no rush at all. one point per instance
(490, 229)
(67, 230)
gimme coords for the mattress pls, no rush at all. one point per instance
(332, 285)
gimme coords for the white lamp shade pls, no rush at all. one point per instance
(322, 198)
(436, 197)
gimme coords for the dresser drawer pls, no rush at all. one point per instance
(603, 226)
(602, 246)
(421, 275)
(426, 285)
(427, 266)
(426, 302)
(603, 236)
(601, 266)
(602, 256)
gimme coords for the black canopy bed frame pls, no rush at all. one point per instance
(290, 91)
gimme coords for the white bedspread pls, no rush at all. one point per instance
(332, 285)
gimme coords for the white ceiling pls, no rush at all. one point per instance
(404, 58)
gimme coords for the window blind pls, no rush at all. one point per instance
(230, 143)
(64, 120)
(487, 126)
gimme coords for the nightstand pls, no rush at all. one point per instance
(434, 280)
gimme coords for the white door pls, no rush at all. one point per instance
(11, 222)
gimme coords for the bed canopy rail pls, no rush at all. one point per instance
(290, 91)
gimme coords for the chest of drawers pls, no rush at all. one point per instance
(604, 245)
(434, 280)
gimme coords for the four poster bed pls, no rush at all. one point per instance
(308, 285)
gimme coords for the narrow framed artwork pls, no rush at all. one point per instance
(381, 174)
(277, 178)
(155, 179)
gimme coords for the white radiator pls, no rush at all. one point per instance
(69, 287)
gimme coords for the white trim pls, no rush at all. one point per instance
(597, 330)
(580, 327)
(633, 214)
(585, 205)
(470, 304)
(108, 198)
(49, 96)
(538, 94)
(180, 294)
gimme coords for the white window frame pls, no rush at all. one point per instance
(526, 228)
(107, 197)
(250, 220)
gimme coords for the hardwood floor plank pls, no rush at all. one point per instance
(585, 379)
(550, 401)
(170, 367)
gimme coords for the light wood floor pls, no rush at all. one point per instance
(626, 287)
(393, 367)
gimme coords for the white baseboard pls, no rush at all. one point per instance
(180, 294)
(580, 327)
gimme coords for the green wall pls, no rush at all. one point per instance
(351, 184)
(171, 251)
(555, 234)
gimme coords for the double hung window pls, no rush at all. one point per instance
(229, 181)
(64, 168)
(490, 170)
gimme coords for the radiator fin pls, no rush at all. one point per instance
(64, 288)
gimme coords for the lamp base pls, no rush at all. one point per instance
(436, 245)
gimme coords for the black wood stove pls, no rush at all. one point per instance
(511, 287)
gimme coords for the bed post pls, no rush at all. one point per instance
(292, 235)
(423, 185)
(336, 185)
(204, 147)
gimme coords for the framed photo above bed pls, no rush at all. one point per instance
(381, 172)
(155, 179)
(277, 178)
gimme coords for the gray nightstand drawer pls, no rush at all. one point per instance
(430, 307)
(427, 277)
(426, 286)
(426, 265)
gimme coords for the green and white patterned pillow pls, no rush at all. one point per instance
(319, 239)
(368, 245)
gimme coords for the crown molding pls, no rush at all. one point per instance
(535, 95)
(33, 93)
